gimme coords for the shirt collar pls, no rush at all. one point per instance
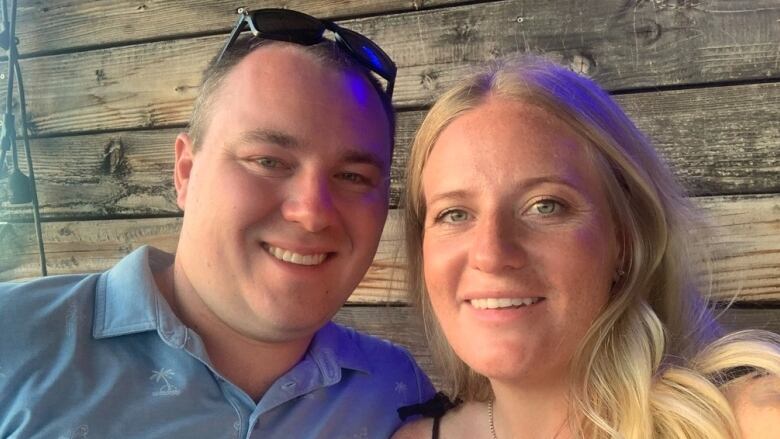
(127, 300)
(333, 350)
(334, 347)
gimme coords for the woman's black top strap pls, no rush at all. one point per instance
(435, 407)
(436, 422)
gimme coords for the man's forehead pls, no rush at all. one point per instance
(274, 56)
(299, 98)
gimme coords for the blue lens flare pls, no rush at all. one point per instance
(359, 89)
(371, 55)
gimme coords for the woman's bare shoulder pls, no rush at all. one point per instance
(756, 404)
(418, 429)
(468, 420)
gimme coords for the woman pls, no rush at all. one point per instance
(551, 247)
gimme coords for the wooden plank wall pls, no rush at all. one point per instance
(110, 82)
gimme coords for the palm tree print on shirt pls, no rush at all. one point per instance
(165, 376)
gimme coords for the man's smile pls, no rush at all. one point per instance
(293, 257)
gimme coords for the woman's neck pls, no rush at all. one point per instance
(531, 411)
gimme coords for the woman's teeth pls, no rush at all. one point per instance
(503, 302)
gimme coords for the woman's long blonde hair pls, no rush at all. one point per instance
(650, 365)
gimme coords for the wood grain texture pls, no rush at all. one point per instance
(402, 326)
(101, 175)
(623, 45)
(744, 233)
(745, 245)
(72, 24)
(723, 140)
(718, 140)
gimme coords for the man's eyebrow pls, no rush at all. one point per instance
(285, 140)
(366, 157)
(265, 135)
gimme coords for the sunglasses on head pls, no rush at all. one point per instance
(299, 28)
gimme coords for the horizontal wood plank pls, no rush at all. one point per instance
(402, 326)
(623, 45)
(745, 234)
(71, 25)
(722, 140)
(744, 240)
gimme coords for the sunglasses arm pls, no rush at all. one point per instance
(237, 28)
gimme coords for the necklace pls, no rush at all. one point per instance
(493, 426)
(490, 418)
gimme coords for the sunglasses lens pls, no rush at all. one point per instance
(368, 52)
(299, 28)
(286, 25)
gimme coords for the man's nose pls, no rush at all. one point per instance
(310, 203)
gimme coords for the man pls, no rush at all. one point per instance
(283, 179)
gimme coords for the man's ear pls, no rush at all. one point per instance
(182, 167)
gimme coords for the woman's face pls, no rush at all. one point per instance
(519, 246)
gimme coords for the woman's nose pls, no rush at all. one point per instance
(495, 246)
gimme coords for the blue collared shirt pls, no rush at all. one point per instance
(103, 356)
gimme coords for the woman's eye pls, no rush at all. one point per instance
(453, 216)
(546, 207)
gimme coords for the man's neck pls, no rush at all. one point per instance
(250, 364)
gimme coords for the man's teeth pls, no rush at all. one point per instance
(503, 302)
(296, 258)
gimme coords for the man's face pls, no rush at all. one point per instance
(285, 200)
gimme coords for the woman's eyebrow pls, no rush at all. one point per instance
(448, 195)
(526, 184)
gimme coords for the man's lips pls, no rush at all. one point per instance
(293, 257)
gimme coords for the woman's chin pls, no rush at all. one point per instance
(513, 367)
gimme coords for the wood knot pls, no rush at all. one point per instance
(114, 161)
(183, 88)
(100, 76)
(646, 30)
(582, 64)
(464, 33)
(429, 79)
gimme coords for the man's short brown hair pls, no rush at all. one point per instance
(215, 73)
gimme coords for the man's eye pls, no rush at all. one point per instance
(269, 163)
(452, 216)
(352, 177)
